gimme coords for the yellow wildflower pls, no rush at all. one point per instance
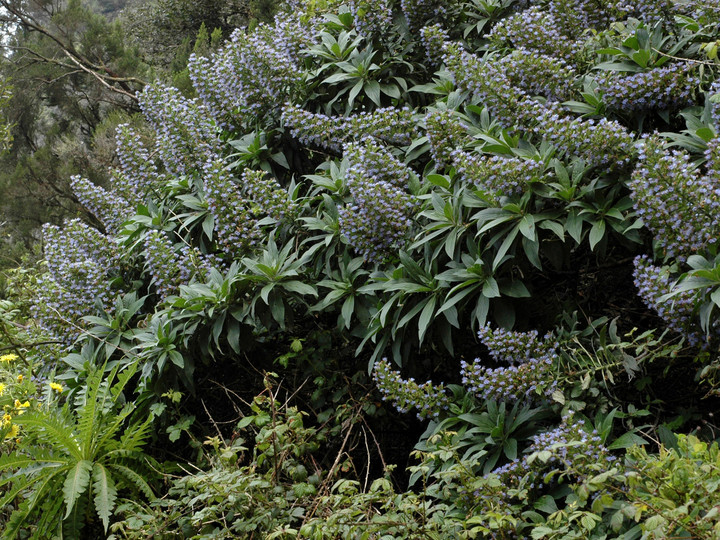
(2, 389)
(57, 387)
(14, 430)
(6, 419)
(21, 406)
(7, 358)
(20, 378)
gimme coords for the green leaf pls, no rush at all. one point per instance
(76, 483)
(555, 227)
(372, 89)
(300, 288)
(426, 317)
(438, 180)
(54, 430)
(546, 504)
(574, 225)
(355, 91)
(527, 227)
(337, 77)
(208, 225)
(105, 494)
(626, 441)
(490, 288)
(134, 479)
(510, 449)
(596, 233)
(347, 310)
(715, 297)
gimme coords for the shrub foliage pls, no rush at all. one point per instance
(514, 201)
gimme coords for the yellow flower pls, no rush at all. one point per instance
(6, 419)
(57, 387)
(2, 389)
(14, 430)
(21, 406)
(7, 358)
(20, 378)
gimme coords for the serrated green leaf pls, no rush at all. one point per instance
(105, 494)
(76, 483)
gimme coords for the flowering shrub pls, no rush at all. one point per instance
(388, 180)
(81, 265)
(379, 217)
(429, 400)
(111, 209)
(253, 73)
(669, 87)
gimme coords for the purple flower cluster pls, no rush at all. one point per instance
(389, 124)
(712, 156)
(653, 282)
(530, 372)
(705, 11)
(497, 176)
(648, 11)
(433, 39)
(392, 125)
(514, 347)
(445, 134)
(539, 74)
(378, 164)
(236, 229)
(418, 13)
(267, 195)
(316, 130)
(171, 266)
(429, 400)
(575, 16)
(669, 87)
(572, 445)
(81, 262)
(186, 134)
(715, 107)
(598, 143)
(678, 204)
(137, 175)
(111, 209)
(486, 81)
(379, 217)
(538, 30)
(254, 73)
(371, 18)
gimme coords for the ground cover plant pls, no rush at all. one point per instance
(409, 269)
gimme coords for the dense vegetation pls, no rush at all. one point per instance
(514, 201)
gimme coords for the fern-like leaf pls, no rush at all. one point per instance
(112, 428)
(73, 524)
(54, 429)
(76, 483)
(38, 493)
(134, 438)
(87, 414)
(105, 493)
(15, 461)
(51, 516)
(132, 478)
